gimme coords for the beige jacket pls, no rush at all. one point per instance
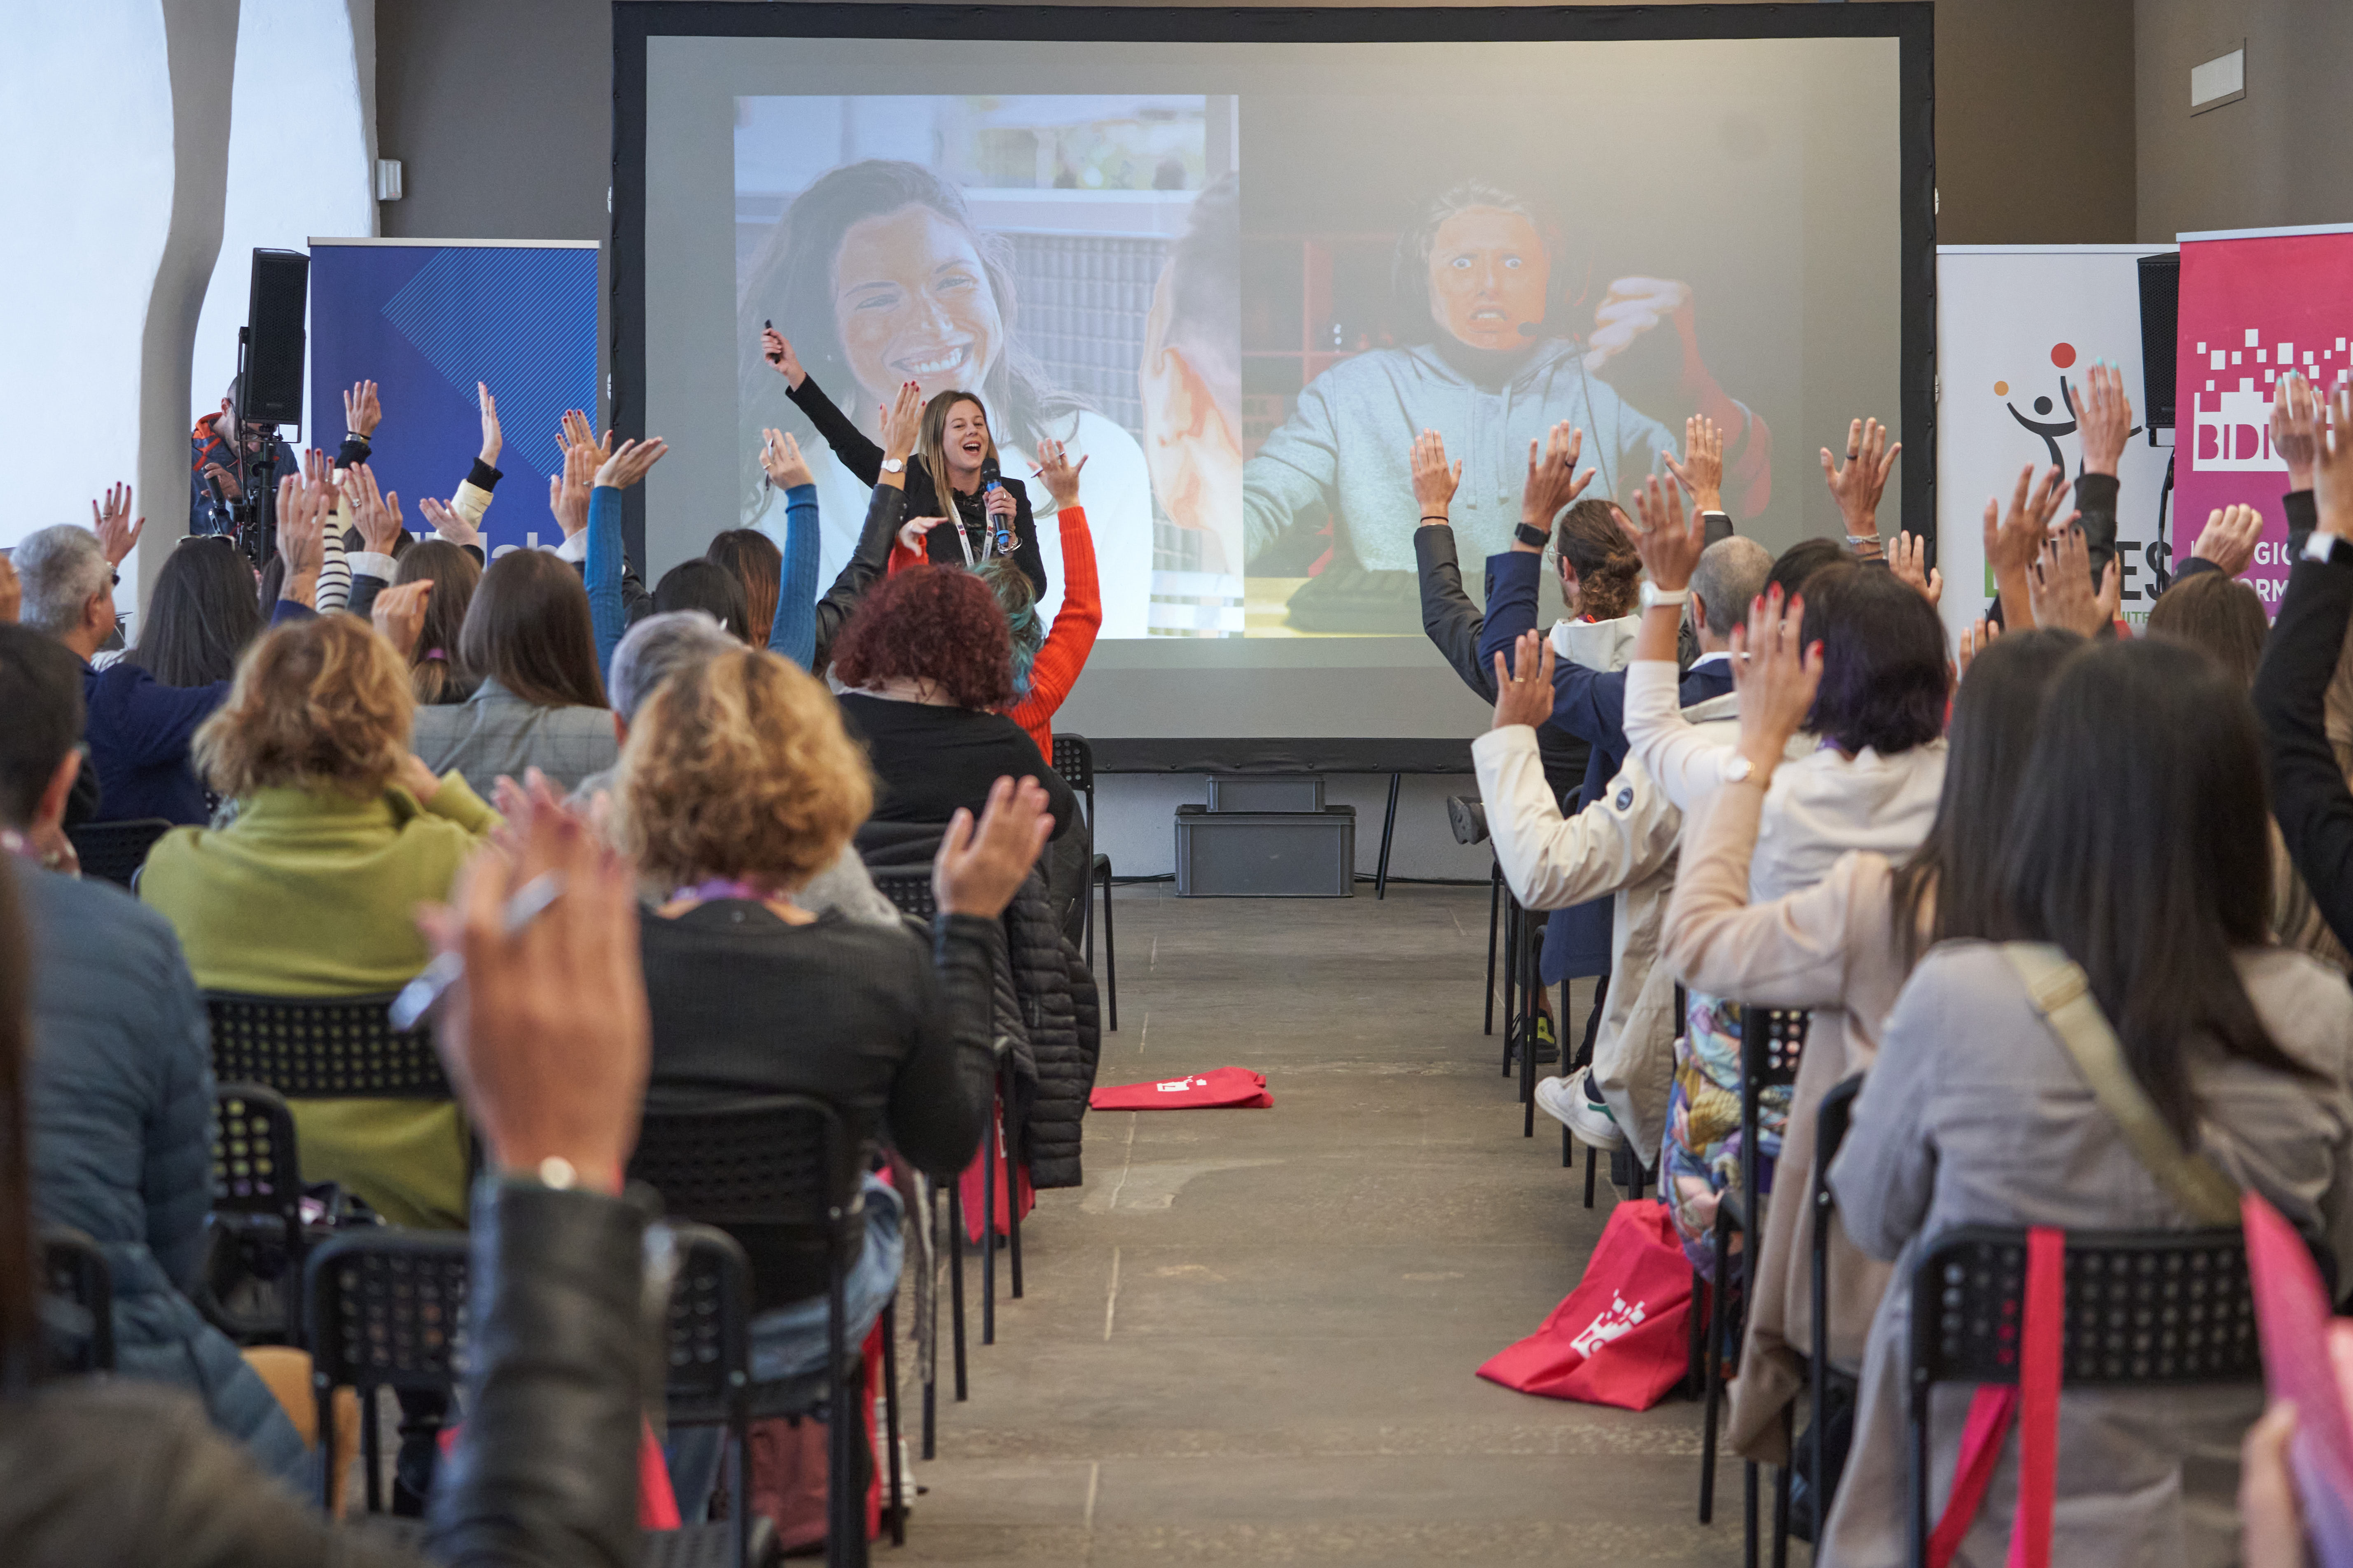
(1830, 948)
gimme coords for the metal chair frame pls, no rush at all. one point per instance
(74, 1269)
(384, 1308)
(117, 851)
(258, 1199)
(1075, 760)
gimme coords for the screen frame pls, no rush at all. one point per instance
(1911, 23)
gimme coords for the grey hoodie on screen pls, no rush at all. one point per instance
(1348, 447)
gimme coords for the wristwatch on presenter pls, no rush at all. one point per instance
(895, 464)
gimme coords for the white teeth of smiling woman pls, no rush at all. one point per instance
(929, 366)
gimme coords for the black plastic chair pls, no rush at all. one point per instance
(256, 1216)
(2143, 1309)
(1772, 1044)
(76, 1272)
(321, 1048)
(785, 1169)
(1075, 760)
(1831, 1119)
(387, 1309)
(707, 1354)
(115, 851)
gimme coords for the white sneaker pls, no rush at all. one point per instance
(1569, 1100)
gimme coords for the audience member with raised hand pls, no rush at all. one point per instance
(539, 701)
(737, 785)
(377, 542)
(2299, 413)
(2226, 544)
(792, 631)
(1840, 948)
(1977, 1111)
(604, 564)
(2308, 793)
(1909, 561)
(886, 505)
(340, 832)
(2014, 540)
(545, 1038)
(452, 572)
(928, 662)
(2058, 586)
(1047, 662)
(1857, 483)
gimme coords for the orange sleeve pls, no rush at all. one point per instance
(1059, 663)
(902, 558)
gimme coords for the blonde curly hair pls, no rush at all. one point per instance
(738, 766)
(321, 703)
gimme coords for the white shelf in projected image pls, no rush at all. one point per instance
(1195, 605)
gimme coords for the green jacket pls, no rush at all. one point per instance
(311, 892)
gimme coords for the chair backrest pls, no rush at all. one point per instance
(321, 1048)
(114, 851)
(1772, 1043)
(2142, 1308)
(783, 1162)
(910, 891)
(386, 1308)
(707, 1337)
(75, 1271)
(1075, 760)
(255, 1169)
(1831, 1119)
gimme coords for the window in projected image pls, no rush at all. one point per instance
(1070, 260)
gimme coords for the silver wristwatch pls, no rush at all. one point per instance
(895, 464)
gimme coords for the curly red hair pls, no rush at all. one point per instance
(939, 623)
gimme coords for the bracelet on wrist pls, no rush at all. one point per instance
(1435, 517)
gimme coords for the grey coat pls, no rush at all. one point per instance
(494, 731)
(1974, 1115)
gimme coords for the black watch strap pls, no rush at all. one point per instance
(1529, 535)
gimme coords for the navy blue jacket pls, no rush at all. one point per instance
(139, 731)
(121, 1106)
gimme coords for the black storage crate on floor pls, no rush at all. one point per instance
(1266, 854)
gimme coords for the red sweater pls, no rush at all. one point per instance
(1067, 644)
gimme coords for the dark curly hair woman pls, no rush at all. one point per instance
(925, 659)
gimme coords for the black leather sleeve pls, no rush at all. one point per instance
(858, 454)
(885, 510)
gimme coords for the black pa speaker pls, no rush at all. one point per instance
(2160, 325)
(270, 392)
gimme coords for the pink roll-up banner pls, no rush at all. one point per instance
(2256, 303)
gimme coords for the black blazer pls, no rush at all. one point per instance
(861, 457)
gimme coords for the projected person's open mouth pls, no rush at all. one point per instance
(945, 364)
(912, 303)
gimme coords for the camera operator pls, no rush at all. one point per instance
(222, 454)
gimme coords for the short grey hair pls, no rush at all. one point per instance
(60, 568)
(657, 648)
(1731, 573)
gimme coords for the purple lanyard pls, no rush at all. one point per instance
(721, 887)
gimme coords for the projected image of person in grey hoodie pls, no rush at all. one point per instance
(1498, 365)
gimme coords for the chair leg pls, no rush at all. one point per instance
(1568, 1149)
(371, 1448)
(1748, 1514)
(1530, 990)
(1781, 1476)
(955, 1280)
(1694, 1371)
(1512, 916)
(1495, 914)
(1013, 1221)
(989, 1226)
(1388, 832)
(1592, 1158)
(1111, 954)
(1712, 1364)
(845, 1534)
(323, 1396)
(894, 1507)
(1087, 921)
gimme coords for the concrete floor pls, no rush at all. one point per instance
(1251, 1336)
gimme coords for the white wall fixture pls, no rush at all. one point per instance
(2220, 80)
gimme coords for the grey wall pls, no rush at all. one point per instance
(2276, 157)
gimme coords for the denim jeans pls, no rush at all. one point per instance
(790, 1343)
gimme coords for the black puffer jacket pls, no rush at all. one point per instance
(1057, 1007)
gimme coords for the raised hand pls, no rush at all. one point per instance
(448, 522)
(2059, 589)
(912, 531)
(1857, 484)
(547, 1036)
(362, 411)
(629, 462)
(980, 867)
(1553, 479)
(302, 528)
(2104, 415)
(567, 492)
(575, 430)
(2297, 414)
(1909, 561)
(1061, 475)
(1525, 697)
(777, 349)
(2332, 469)
(902, 421)
(1670, 547)
(1701, 470)
(493, 439)
(1777, 677)
(2014, 542)
(2229, 538)
(376, 514)
(1974, 640)
(110, 519)
(400, 614)
(1434, 479)
(780, 455)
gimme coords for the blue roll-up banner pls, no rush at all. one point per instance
(426, 319)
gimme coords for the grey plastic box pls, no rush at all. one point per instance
(1265, 792)
(1266, 854)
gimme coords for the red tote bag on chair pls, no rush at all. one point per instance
(1622, 1337)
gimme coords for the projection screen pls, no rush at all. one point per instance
(1238, 261)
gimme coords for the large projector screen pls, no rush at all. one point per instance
(1237, 260)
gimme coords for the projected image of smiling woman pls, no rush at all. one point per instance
(876, 275)
(1495, 365)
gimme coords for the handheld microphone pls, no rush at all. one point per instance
(1001, 530)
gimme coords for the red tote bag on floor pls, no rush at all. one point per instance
(1622, 1336)
(1225, 1086)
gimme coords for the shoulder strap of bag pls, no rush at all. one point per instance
(2062, 995)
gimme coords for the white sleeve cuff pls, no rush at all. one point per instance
(370, 564)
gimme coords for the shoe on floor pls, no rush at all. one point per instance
(1548, 1049)
(1467, 818)
(1572, 1102)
